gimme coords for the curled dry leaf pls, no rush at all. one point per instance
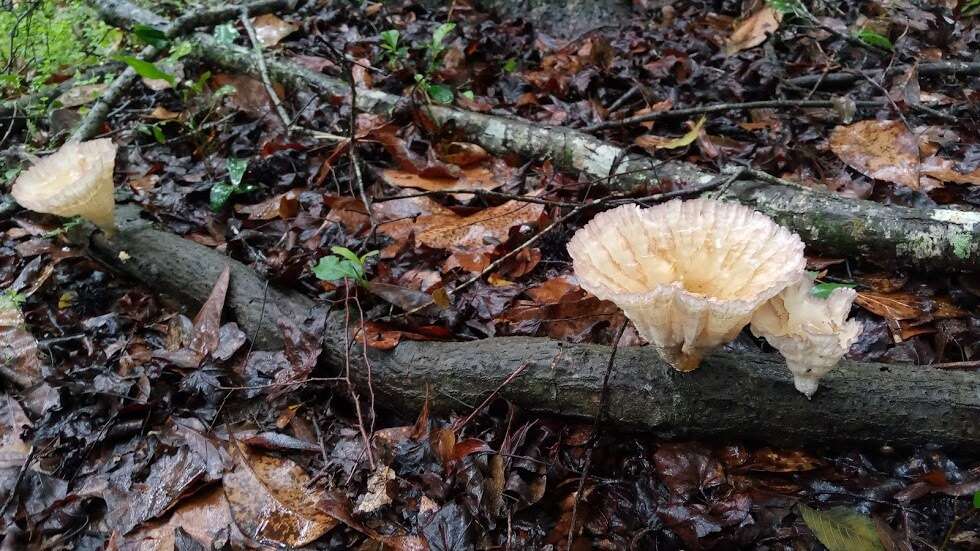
(271, 502)
(906, 306)
(270, 29)
(883, 150)
(753, 30)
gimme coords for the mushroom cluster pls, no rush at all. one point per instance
(691, 275)
(76, 180)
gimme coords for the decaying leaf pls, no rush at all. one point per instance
(81, 95)
(376, 496)
(883, 150)
(271, 501)
(487, 227)
(18, 347)
(841, 529)
(284, 205)
(205, 517)
(473, 178)
(652, 143)
(753, 30)
(906, 306)
(270, 29)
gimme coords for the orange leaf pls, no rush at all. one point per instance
(883, 150)
(477, 230)
(753, 30)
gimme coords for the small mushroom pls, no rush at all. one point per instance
(76, 180)
(688, 274)
(811, 333)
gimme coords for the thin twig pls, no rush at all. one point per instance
(264, 70)
(520, 369)
(722, 107)
(593, 435)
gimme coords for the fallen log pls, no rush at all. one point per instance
(924, 239)
(731, 396)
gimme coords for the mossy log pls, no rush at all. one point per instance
(736, 396)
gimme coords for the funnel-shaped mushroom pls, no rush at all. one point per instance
(76, 180)
(811, 333)
(688, 274)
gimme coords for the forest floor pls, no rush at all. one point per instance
(113, 436)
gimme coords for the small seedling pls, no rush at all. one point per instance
(222, 191)
(11, 299)
(823, 290)
(874, 39)
(343, 264)
(64, 228)
(393, 51)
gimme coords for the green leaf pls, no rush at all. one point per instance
(440, 93)
(220, 193)
(389, 39)
(334, 268)
(875, 39)
(236, 170)
(468, 94)
(181, 49)
(440, 34)
(510, 65)
(786, 7)
(158, 134)
(823, 290)
(841, 529)
(346, 253)
(226, 34)
(976, 500)
(150, 35)
(971, 7)
(146, 69)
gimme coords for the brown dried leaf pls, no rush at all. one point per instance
(285, 205)
(250, 95)
(476, 230)
(893, 306)
(207, 322)
(271, 502)
(13, 449)
(884, 150)
(753, 30)
(944, 170)
(205, 516)
(18, 347)
(461, 153)
(270, 29)
(81, 95)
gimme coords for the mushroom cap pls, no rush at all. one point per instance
(76, 180)
(688, 274)
(811, 333)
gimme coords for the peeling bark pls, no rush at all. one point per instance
(730, 396)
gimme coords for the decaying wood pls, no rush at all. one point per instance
(731, 396)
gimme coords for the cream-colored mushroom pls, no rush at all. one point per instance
(813, 334)
(688, 274)
(76, 180)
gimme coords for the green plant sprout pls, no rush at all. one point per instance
(222, 191)
(11, 299)
(394, 53)
(343, 264)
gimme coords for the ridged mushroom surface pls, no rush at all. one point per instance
(76, 180)
(813, 334)
(688, 274)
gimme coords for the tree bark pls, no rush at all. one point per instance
(730, 396)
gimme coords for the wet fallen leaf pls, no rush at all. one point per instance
(475, 178)
(906, 306)
(944, 170)
(841, 529)
(205, 335)
(461, 153)
(753, 30)
(205, 517)
(270, 29)
(285, 205)
(652, 143)
(250, 95)
(487, 227)
(883, 150)
(81, 95)
(19, 353)
(376, 496)
(271, 501)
